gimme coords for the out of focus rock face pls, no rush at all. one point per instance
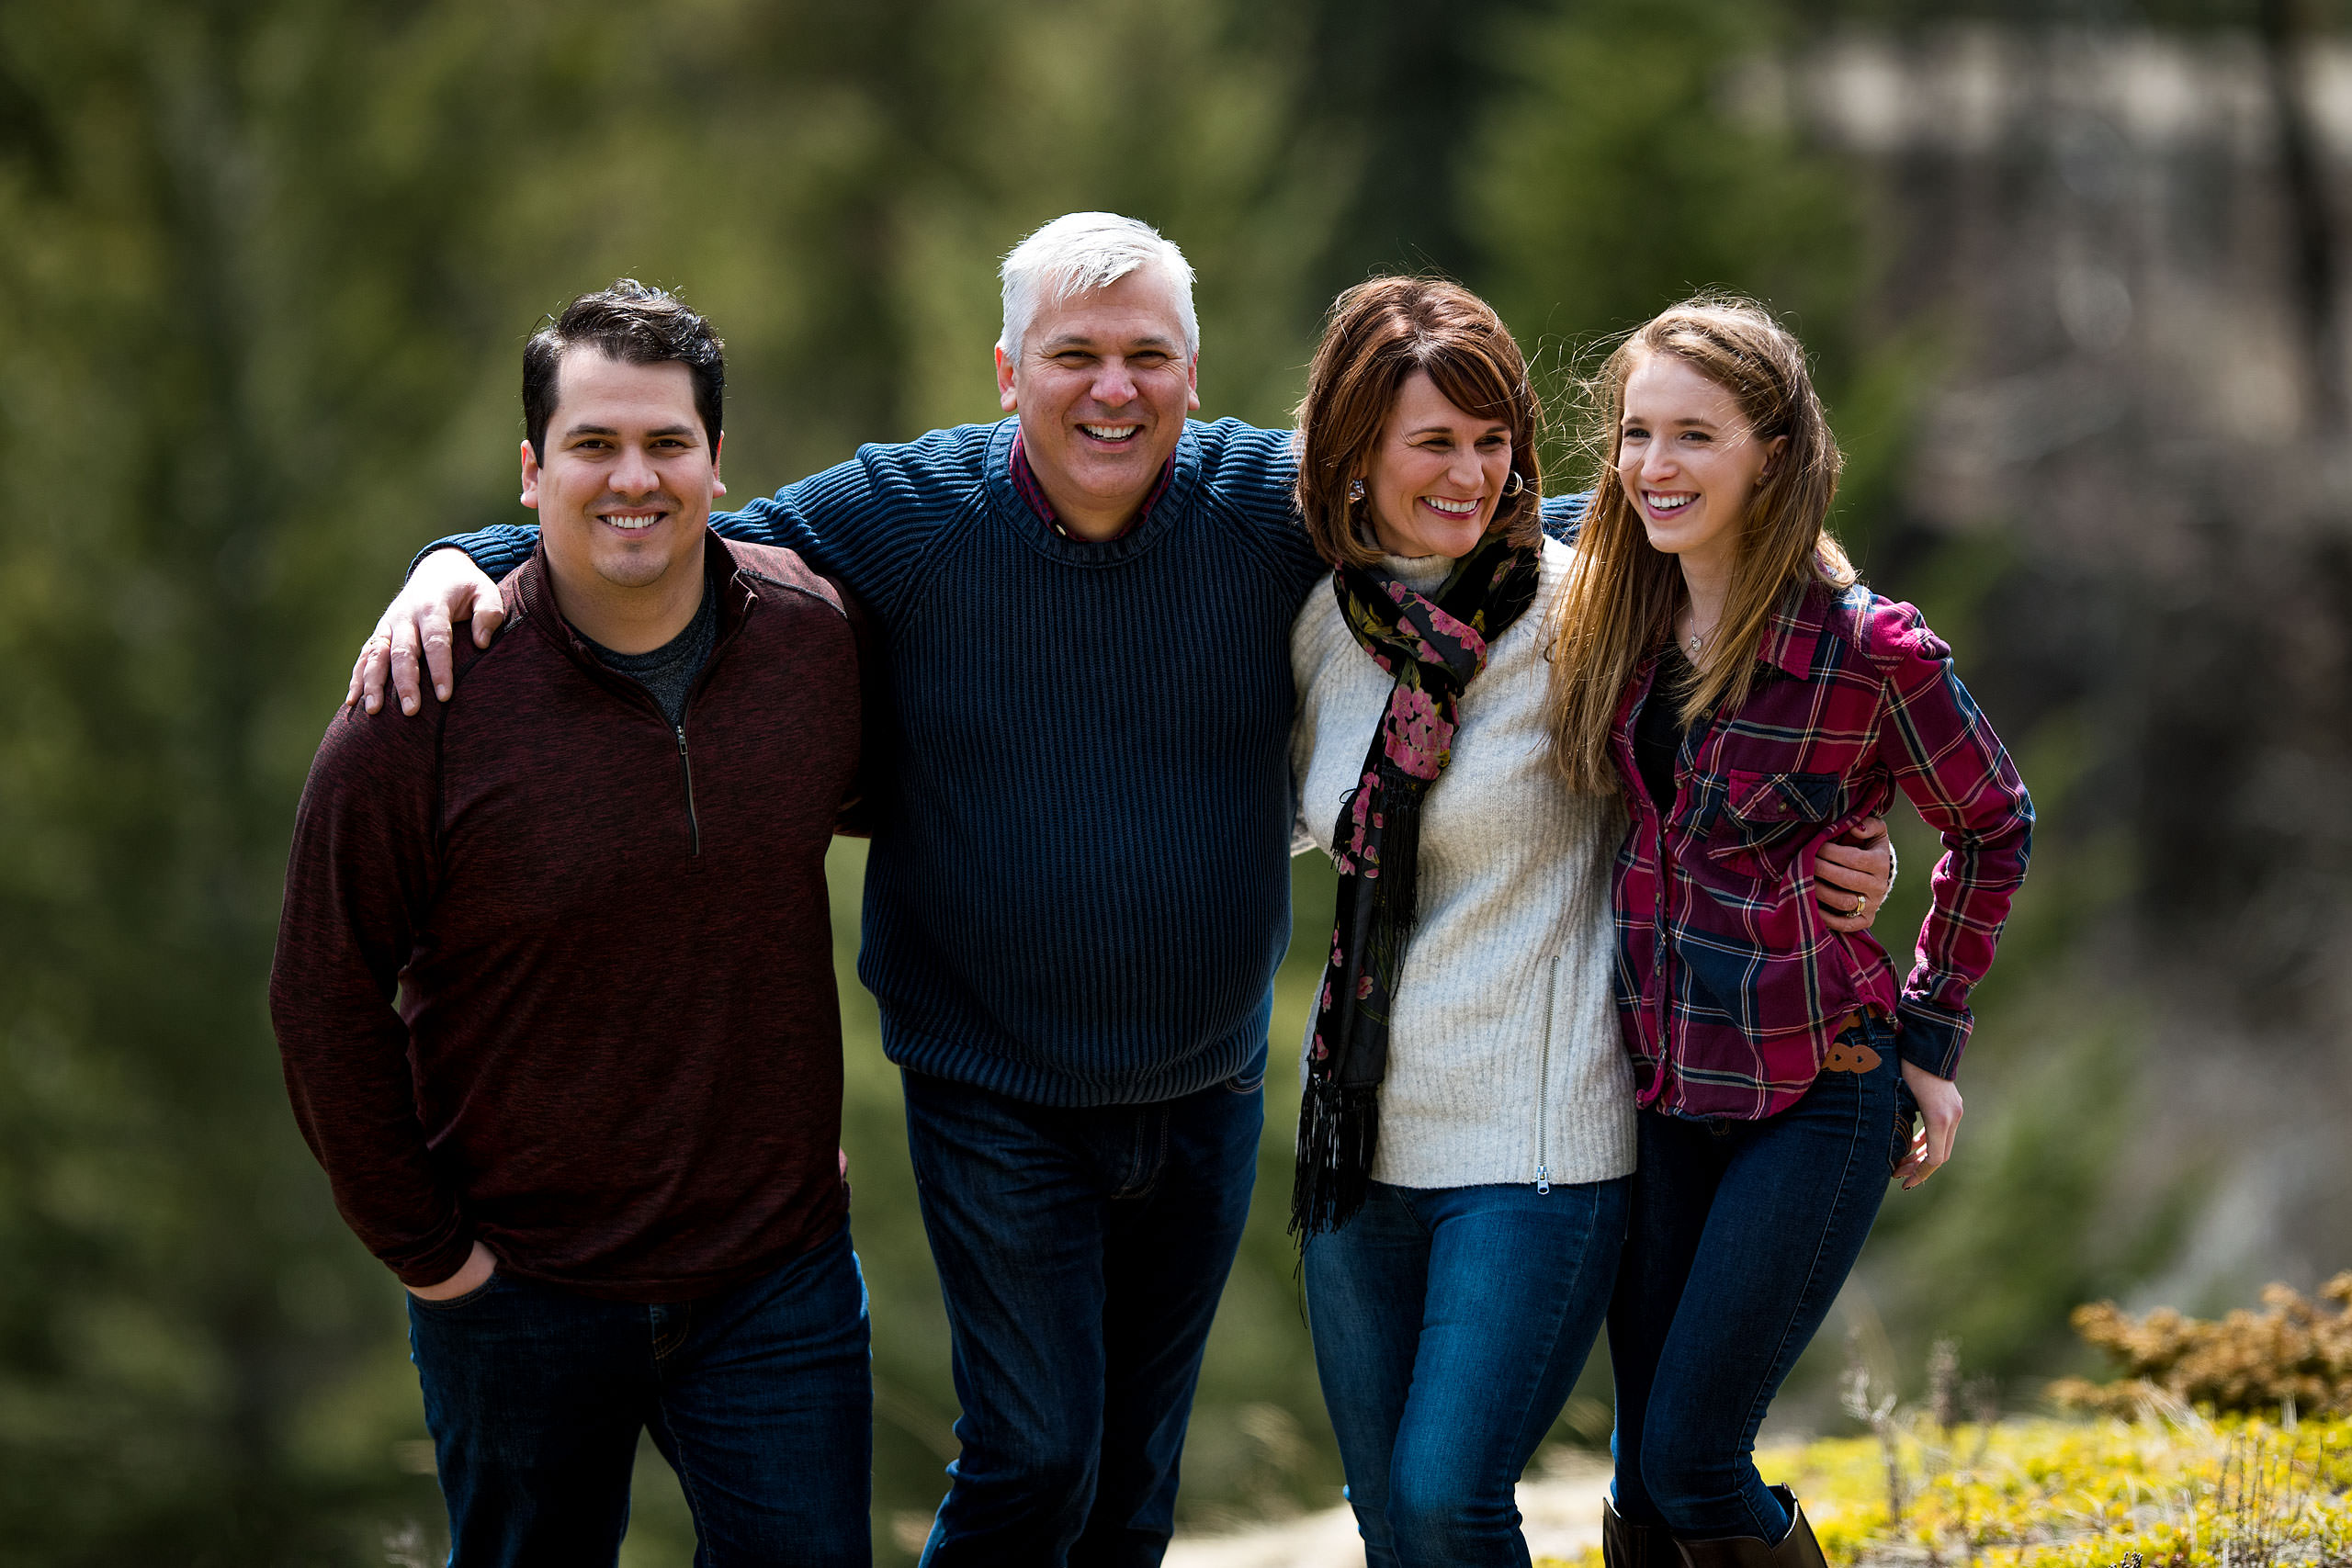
(2124, 254)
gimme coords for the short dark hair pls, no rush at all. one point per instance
(636, 325)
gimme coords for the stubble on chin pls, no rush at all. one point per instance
(633, 568)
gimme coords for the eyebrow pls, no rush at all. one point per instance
(608, 430)
(1685, 424)
(1056, 344)
(1497, 427)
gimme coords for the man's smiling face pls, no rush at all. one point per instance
(1103, 382)
(624, 491)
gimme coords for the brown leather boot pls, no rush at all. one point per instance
(1797, 1549)
(1628, 1545)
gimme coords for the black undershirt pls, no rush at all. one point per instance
(668, 671)
(1658, 730)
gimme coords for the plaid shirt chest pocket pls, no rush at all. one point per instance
(1755, 822)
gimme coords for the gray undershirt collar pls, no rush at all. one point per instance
(668, 671)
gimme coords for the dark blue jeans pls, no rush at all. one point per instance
(1450, 1324)
(1742, 1232)
(1081, 1253)
(760, 1397)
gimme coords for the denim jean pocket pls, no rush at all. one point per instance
(1246, 1082)
(452, 1303)
(1906, 1119)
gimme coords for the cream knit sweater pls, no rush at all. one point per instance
(1504, 1060)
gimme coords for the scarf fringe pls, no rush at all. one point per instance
(1337, 1128)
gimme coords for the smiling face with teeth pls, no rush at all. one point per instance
(1690, 463)
(623, 497)
(1102, 384)
(1436, 475)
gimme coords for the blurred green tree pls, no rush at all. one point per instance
(264, 266)
(1634, 158)
(1617, 173)
(264, 269)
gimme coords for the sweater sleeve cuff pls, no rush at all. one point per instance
(498, 551)
(430, 1269)
(1930, 1038)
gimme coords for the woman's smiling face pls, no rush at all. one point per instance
(1687, 460)
(1437, 474)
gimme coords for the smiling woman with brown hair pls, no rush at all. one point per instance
(1467, 1123)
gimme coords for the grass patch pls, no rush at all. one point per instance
(2169, 1488)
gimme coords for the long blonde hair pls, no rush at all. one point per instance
(1621, 596)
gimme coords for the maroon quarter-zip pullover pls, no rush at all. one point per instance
(557, 974)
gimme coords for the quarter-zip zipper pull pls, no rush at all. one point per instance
(687, 767)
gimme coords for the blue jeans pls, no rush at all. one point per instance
(1742, 1233)
(1450, 1324)
(1081, 1253)
(761, 1398)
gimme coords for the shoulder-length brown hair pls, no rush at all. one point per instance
(1622, 594)
(1377, 335)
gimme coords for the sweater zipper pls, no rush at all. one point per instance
(694, 690)
(1543, 1083)
(687, 767)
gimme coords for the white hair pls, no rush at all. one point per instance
(1082, 251)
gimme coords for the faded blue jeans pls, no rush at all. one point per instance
(761, 1397)
(1742, 1232)
(1450, 1324)
(1081, 1252)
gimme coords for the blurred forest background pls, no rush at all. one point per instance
(2073, 270)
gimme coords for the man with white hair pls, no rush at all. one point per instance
(1079, 887)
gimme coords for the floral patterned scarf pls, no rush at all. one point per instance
(1434, 645)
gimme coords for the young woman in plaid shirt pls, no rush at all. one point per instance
(1716, 661)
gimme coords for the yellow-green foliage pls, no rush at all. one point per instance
(2175, 1489)
(2294, 1351)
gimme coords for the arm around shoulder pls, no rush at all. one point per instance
(497, 549)
(415, 638)
(865, 521)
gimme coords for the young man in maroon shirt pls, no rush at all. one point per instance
(555, 994)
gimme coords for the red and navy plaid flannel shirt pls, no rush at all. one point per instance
(1729, 986)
